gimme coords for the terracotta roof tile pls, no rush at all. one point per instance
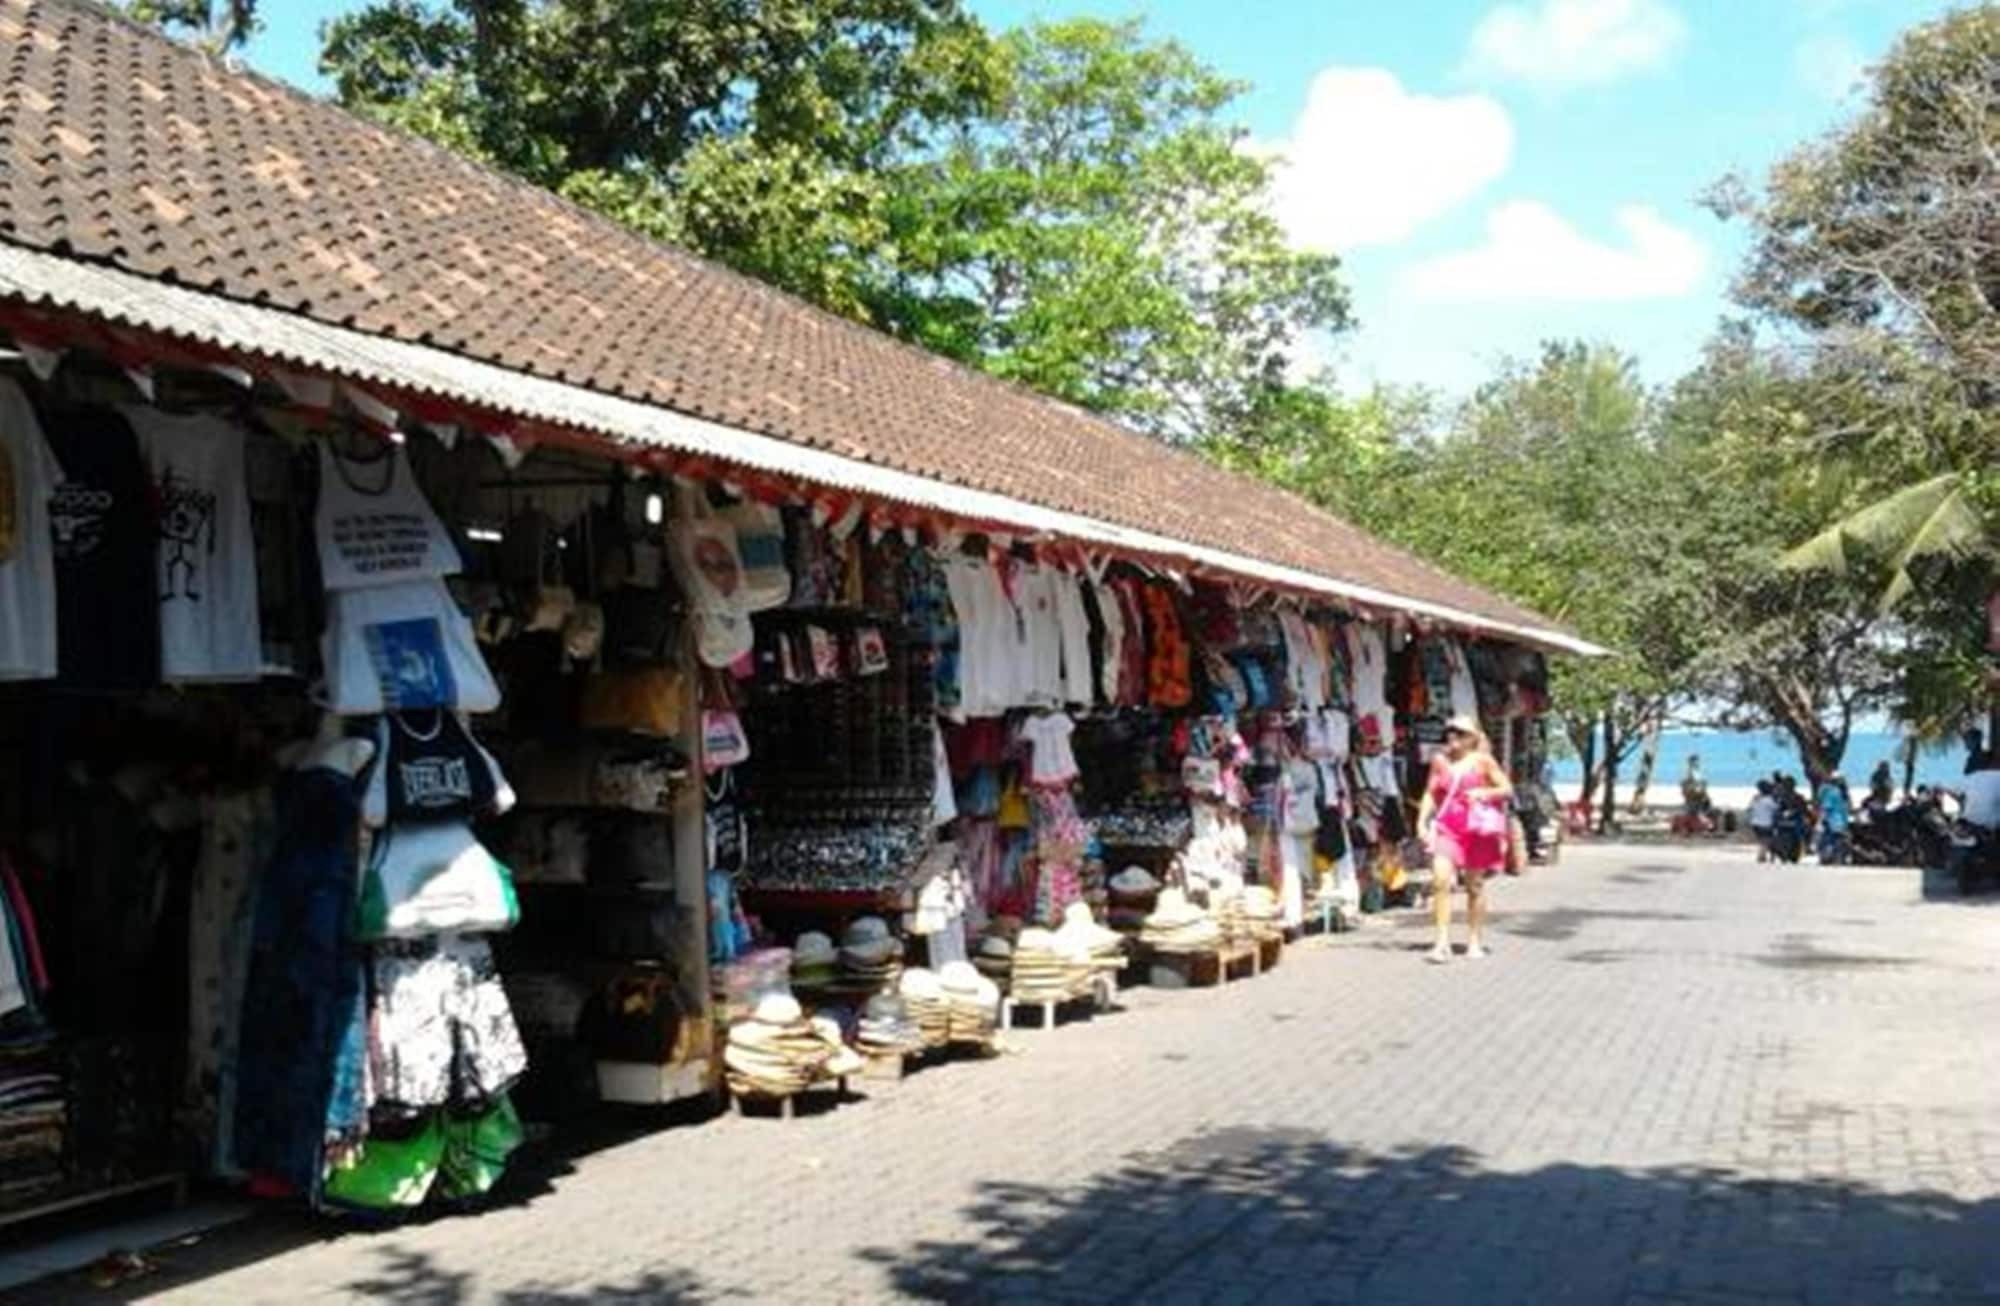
(129, 148)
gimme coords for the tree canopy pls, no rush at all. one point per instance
(1065, 204)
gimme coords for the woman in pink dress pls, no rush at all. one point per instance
(1463, 820)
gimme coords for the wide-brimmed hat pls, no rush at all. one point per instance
(1464, 725)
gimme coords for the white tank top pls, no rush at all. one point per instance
(374, 525)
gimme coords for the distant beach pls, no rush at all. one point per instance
(1734, 762)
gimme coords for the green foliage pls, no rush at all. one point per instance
(214, 26)
(1101, 235)
(1931, 519)
(1065, 205)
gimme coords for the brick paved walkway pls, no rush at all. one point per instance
(1682, 1078)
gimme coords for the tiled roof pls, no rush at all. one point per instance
(127, 148)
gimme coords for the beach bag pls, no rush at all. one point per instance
(433, 879)
(760, 548)
(393, 1174)
(476, 1150)
(723, 743)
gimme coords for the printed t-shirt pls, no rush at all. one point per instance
(207, 555)
(102, 524)
(28, 575)
(430, 768)
(374, 526)
(397, 647)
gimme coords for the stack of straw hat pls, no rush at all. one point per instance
(1133, 893)
(973, 1003)
(777, 1051)
(886, 1029)
(1080, 933)
(815, 961)
(924, 1003)
(869, 953)
(1042, 971)
(1177, 925)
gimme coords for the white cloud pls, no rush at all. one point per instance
(1557, 44)
(1368, 162)
(1532, 253)
(1829, 65)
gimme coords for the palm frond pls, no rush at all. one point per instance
(1930, 519)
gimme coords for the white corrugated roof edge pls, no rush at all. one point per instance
(119, 297)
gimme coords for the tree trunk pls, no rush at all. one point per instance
(1649, 758)
(1587, 767)
(1609, 813)
(1910, 765)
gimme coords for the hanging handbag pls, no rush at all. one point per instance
(637, 700)
(723, 742)
(760, 546)
(433, 879)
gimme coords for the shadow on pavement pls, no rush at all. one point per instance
(1560, 924)
(402, 1276)
(1264, 1214)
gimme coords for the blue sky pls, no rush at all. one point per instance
(1493, 174)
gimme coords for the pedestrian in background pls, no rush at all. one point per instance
(1763, 816)
(1463, 821)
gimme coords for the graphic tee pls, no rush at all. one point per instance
(28, 575)
(429, 768)
(392, 648)
(207, 555)
(103, 528)
(374, 526)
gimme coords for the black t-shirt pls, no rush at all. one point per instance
(104, 524)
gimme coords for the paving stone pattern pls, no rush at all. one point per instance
(1681, 1078)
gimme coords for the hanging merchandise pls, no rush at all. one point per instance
(102, 524)
(1051, 761)
(441, 1032)
(423, 879)
(711, 575)
(723, 742)
(373, 524)
(430, 768)
(401, 647)
(207, 556)
(759, 538)
(28, 573)
(304, 987)
(640, 700)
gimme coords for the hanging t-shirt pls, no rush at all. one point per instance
(28, 575)
(429, 768)
(207, 555)
(1078, 676)
(374, 526)
(394, 648)
(1051, 760)
(1035, 595)
(102, 525)
(1464, 690)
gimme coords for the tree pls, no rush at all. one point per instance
(757, 131)
(1881, 245)
(1546, 486)
(1805, 653)
(1891, 225)
(1931, 519)
(217, 26)
(1102, 235)
(1066, 205)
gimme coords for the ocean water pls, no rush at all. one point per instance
(1732, 759)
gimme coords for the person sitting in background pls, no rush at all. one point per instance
(1763, 817)
(1976, 758)
(1882, 785)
